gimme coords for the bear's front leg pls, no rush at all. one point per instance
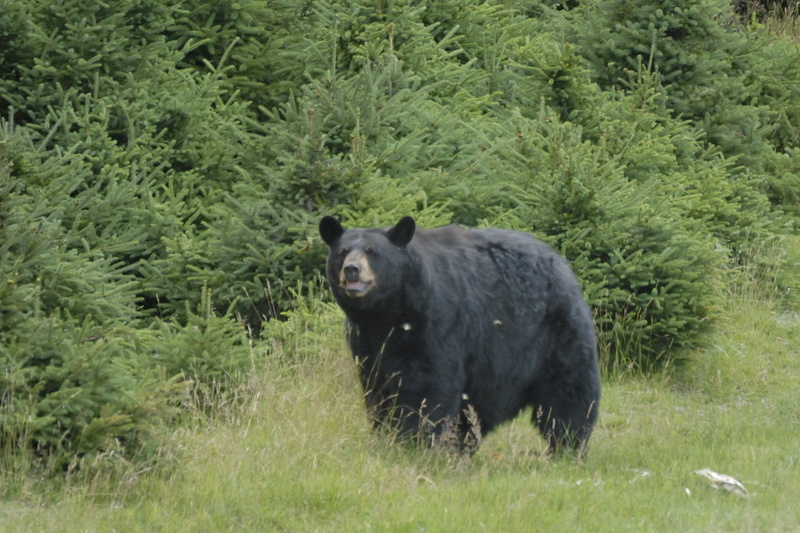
(410, 400)
(427, 411)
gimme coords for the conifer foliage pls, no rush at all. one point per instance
(163, 164)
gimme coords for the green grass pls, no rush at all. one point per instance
(783, 21)
(297, 453)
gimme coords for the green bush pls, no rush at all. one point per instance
(72, 380)
(648, 269)
(684, 41)
(159, 148)
(164, 165)
(211, 353)
(739, 87)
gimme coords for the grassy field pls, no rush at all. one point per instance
(297, 454)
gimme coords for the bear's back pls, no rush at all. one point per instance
(504, 248)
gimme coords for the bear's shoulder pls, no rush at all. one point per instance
(458, 237)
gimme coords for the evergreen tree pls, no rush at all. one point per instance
(163, 165)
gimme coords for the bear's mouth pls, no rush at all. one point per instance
(355, 289)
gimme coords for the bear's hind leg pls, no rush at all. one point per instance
(563, 434)
(565, 415)
(460, 433)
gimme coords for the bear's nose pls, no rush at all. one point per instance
(352, 271)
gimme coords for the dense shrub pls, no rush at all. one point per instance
(73, 379)
(643, 251)
(211, 353)
(739, 87)
(683, 40)
(164, 164)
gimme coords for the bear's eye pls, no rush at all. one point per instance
(370, 251)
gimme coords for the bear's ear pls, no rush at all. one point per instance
(402, 233)
(330, 229)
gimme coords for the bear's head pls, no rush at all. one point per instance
(365, 266)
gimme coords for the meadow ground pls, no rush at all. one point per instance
(297, 454)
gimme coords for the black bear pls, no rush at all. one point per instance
(456, 330)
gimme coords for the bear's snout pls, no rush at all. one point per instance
(356, 276)
(352, 271)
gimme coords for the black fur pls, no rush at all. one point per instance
(458, 321)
